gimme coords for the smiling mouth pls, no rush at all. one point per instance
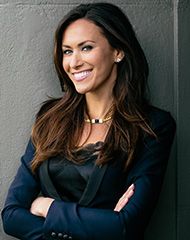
(81, 75)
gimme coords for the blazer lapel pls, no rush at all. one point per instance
(93, 184)
(47, 182)
(89, 192)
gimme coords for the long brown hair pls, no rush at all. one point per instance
(60, 122)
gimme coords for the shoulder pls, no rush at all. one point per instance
(159, 118)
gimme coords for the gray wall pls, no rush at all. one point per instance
(27, 76)
(183, 118)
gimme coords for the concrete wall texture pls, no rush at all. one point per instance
(27, 76)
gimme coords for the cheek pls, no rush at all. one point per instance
(105, 59)
(65, 65)
(95, 60)
(96, 57)
(105, 62)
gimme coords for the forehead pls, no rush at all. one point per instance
(82, 30)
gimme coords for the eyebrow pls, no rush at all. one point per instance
(79, 45)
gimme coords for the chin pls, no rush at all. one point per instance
(81, 91)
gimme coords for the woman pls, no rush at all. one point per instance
(96, 156)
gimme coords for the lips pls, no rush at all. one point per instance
(81, 75)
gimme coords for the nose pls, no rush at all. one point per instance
(76, 60)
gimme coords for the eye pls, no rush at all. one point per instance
(87, 48)
(67, 52)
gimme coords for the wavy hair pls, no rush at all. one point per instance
(59, 123)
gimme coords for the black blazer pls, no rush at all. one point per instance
(93, 218)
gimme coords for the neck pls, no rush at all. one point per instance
(98, 107)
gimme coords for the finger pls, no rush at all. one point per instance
(121, 204)
(132, 187)
(128, 192)
(124, 199)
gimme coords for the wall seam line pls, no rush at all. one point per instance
(176, 104)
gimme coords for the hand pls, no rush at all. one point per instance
(40, 206)
(125, 198)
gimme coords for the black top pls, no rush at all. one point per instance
(70, 178)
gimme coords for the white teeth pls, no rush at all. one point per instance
(81, 75)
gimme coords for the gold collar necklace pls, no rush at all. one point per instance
(98, 120)
(106, 118)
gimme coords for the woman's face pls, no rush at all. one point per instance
(88, 58)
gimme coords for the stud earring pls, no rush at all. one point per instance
(118, 60)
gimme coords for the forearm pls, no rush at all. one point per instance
(20, 223)
(83, 223)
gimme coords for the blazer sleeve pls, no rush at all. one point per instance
(76, 222)
(16, 216)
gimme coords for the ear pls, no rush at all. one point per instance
(119, 55)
